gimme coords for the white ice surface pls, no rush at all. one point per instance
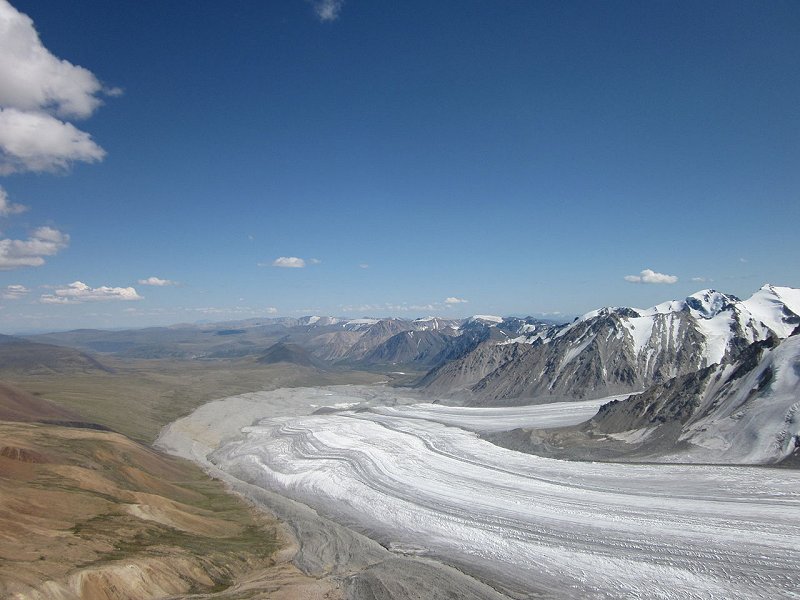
(566, 529)
(490, 420)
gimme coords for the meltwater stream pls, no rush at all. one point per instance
(528, 524)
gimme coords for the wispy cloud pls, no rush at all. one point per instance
(363, 266)
(37, 92)
(454, 300)
(15, 292)
(650, 276)
(327, 10)
(44, 241)
(7, 208)
(392, 307)
(78, 292)
(702, 280)
(289, 262)
(157, 282)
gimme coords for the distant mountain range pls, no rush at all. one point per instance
(708, 365)
(327, 342)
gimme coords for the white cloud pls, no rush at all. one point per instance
(78, 291)
(44, 241)
(363, 266)
(7, 208)
(36, 141)
(15, 292)
(327, 10)
(271, 310)
(37, 91)
(314, 261)
(289, 262)
(650, 276)
(454, 300)
(32, 78)
(701, 280)
(157, 281)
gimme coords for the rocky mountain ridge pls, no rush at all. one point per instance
(619, 350)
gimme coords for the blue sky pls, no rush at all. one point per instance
(523, 156)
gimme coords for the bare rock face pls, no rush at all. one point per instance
(460, 374)
(420, 347)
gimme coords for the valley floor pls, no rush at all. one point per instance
(373, 465)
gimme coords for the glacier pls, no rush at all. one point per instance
(402, 474)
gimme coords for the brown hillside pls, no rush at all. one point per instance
(19, 405)
(92, 515)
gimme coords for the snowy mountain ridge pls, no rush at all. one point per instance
(616, 350)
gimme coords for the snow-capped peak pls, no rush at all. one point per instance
(486, 319)
(709, 303)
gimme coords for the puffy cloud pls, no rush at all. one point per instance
(37, 91)
(15, 292)
(36, 141)
(44, 241)
(157, 281)
(327, 10)
(289, 262)
(454, 300)
(31, 78)
(78, 291)
(271, 310)
(7, 208)
(650, 276)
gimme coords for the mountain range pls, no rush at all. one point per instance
(700, 372)
(618, 350)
